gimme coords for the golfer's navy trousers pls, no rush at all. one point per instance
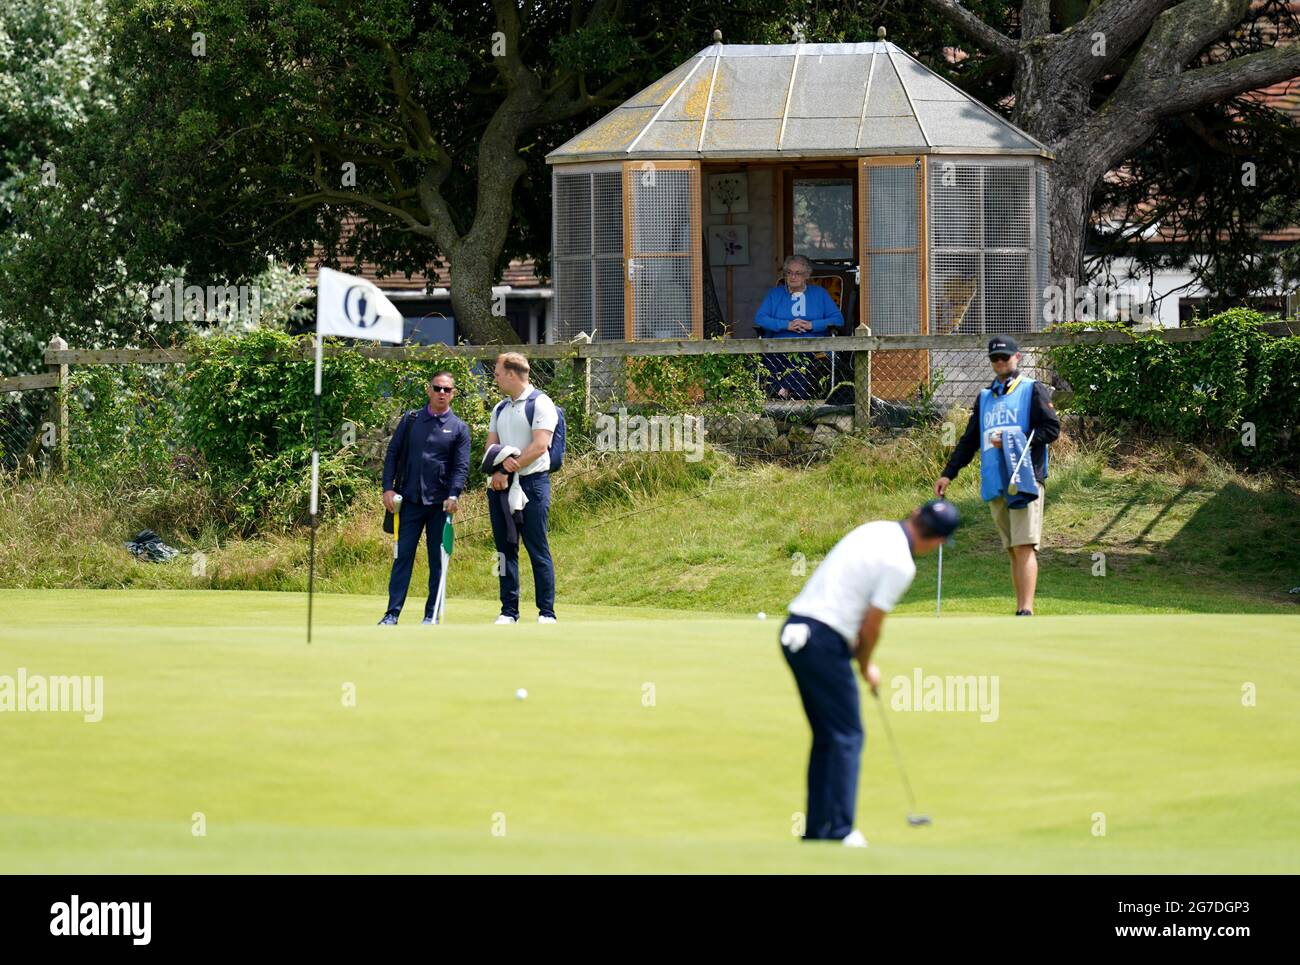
(823, 670)
(536, 513)
(414, 519)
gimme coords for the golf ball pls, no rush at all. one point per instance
(762, 616)
(521, 694)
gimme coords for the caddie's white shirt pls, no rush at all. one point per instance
(870, 566)
(512, 427)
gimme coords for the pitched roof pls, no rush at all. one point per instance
(798, 100)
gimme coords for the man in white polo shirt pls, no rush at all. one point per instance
(526, 420)
(836, 618)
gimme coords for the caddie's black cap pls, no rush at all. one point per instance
(940, 517)
(1003, 345)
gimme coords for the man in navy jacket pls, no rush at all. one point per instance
(428, 464)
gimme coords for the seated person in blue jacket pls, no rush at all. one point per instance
(795, 309)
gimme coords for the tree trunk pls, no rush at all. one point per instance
(474, 255)
(472, 279)
(1069, 192)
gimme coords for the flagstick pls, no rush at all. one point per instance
(440, 602)
(441, 605)
(315, 487)
(938, 600)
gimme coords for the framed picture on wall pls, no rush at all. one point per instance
(729, 244)
(729, 193)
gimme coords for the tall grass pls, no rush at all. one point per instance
(1179, 527)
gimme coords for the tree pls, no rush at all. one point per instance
(394, 131)
(1094, 82)
(51, 82)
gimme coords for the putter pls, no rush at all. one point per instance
(914, 819)
(1012, 488)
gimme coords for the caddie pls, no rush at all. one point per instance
(1011, 411)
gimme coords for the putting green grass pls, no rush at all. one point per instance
(214, 703)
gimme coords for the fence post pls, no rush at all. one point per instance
(61, 403)
(862, 385)
(582, 338)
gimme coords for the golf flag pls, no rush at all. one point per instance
(354, 307)
(448, 537)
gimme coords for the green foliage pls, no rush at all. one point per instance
(236, 422)
(123, 423)
(1207, 391)
(248, 415)
(715, 381)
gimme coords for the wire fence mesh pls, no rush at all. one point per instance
(28, 434)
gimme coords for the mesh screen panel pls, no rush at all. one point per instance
(891, 258)
(1042, 245)
(587, 242)
(661, 297)
(662, 251)
(661, 210)
(1006, 298)
(987, 247)
(956, 303)
(1007, 200)
(894, 294)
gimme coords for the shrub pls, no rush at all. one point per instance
(1204, 392)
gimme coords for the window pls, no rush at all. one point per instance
(822, 218)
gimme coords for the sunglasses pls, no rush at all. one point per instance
(442, 388)
(999, 358)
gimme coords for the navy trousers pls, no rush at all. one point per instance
(537, 487)
(791, 372)
(823, 670)
(414, 519)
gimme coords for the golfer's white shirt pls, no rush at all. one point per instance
(871, 566)
(512, 427)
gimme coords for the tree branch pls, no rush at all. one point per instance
(972, 26)
(1120, 23)
(1178, 35)
(1216, 82)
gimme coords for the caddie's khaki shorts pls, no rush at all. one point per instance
(1019, 527)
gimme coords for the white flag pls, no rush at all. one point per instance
(351, 306)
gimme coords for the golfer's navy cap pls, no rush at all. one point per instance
(1003, 345)
(940, 517)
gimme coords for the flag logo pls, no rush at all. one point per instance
(358, 308)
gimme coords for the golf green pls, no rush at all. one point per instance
(648, 741)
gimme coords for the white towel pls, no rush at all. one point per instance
(516, 498)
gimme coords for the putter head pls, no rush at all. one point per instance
(918, 820)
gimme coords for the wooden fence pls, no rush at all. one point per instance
(58, 356)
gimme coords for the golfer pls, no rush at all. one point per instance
(836, 618)
(428, 463)
(525, 420)
(1011, 401)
